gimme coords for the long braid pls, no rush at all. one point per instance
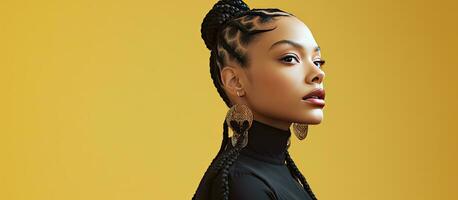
(225, 139)
(215, 74)
(225, 172)
(292, 166)
(213, 169)
(221, 12)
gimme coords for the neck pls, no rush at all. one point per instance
(272, 122)
(267, 143)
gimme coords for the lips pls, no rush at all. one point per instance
(316, 97)
(316, 94)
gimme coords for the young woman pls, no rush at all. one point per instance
(267, 68)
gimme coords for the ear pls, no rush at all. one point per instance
(230, 77)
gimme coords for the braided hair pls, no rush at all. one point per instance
(226, 30)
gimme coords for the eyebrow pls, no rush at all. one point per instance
(295, 44)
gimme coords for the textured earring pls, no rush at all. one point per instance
(239, 118)
(300, 130)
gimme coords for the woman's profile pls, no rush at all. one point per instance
(267, 68)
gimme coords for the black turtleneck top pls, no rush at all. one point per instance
(260, 171)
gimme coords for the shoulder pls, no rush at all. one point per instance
(244, 185)
(249, 186)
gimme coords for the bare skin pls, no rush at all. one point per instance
(277, 77)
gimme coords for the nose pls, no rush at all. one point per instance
(315, 75)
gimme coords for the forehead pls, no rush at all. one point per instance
(287, 28)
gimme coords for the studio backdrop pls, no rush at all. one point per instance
(114, 99)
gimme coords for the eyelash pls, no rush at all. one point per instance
(321, 62)
(289, 56)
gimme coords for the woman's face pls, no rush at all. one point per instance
(280, 74)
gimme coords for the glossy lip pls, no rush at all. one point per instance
(319, 92)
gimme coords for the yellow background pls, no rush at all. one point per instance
(114, 100)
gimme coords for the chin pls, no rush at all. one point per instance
(314, 116)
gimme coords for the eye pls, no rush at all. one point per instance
(289, 58)
(319, 63)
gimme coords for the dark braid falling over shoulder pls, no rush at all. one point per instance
(226, 30)
(292, 167)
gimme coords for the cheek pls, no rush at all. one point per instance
(277, 85)
(275, 82)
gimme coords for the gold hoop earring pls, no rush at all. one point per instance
(239, 118)
(300, 130)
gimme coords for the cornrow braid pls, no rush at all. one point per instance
(220, 29)
(215, 75)
(292, 167)
(221, 12)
